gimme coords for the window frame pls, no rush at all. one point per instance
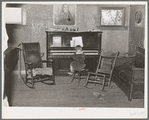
(112, 8)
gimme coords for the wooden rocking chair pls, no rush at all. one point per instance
(104, 71)
(35, 72)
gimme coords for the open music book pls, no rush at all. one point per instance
(76, 41)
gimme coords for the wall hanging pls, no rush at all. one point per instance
(64, 14)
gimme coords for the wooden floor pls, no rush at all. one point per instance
(67, 94)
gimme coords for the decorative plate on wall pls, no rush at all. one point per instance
(138, 16)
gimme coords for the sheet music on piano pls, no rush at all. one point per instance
(56, 41)
(76, 41)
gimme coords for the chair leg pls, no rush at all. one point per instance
(32, 80)
(73, 76)
(33, 83)
(109, 83)
(54, 80)
(86, 81)
(79, 75)
(103, 84)
(95, 78)
(130, 93)
(29, 84)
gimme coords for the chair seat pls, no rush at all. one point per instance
(77, 66)
(104, 71)
(79, 70)
(42, 71)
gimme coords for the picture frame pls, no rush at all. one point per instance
(112, 16)
(64, 14)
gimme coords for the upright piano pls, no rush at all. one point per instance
(59, 49)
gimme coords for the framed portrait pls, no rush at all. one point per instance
(64, 14)
(112, 16)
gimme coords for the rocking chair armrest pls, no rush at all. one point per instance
(46, 61)
(28, 63)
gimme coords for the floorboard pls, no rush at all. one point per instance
(67, 94)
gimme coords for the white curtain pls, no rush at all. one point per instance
(4, 47)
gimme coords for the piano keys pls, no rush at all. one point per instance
(72, 52)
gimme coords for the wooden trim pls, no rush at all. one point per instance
(112, 28)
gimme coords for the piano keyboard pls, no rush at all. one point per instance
(62, 54)
(91, 53)
(73, 53)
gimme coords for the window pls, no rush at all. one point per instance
(15, 15)
(112, 16)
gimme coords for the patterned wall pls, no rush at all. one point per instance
(40, 18)
(136, 35)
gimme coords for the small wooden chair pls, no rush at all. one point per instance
(78, 67)
(104, 71)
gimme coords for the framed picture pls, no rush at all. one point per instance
(64, 14)
(112, 16)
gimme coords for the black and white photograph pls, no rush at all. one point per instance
(74, 60)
